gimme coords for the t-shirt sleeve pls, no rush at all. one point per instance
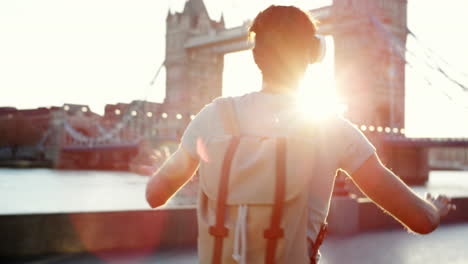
(356, 147)
(197, 129)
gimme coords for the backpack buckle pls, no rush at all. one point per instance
(273, 233)
(219, 231)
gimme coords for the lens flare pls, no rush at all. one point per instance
(316, 97)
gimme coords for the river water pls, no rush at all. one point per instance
(31, 191)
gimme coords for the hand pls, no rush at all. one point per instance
(442, 203)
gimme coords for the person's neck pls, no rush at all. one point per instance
(279, 88)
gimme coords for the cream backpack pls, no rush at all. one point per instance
(252, 204)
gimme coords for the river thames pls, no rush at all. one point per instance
(30, 191)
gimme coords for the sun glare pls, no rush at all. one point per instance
(317, 97)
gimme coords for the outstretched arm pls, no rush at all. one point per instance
(173, 174)
(390, 193)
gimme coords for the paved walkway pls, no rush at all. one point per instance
(448, 244)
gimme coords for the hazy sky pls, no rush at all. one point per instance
(106, 51)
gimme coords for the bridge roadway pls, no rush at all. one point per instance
(446, 245)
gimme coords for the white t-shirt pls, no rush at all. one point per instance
(339, 144)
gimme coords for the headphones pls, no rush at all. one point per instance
(319, 53)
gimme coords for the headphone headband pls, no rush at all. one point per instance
(321, 49)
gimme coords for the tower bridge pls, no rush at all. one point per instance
(367, 68)
(370, 39)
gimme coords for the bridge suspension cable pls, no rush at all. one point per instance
(426, 78)
(432, 64)
(401, 50)
(112, 134)
(436, 58)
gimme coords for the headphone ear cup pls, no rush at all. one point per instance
(321, 49)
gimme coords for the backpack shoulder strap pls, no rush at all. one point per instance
(230, 124)
(227, 112)
(275, 232)
(219, 231)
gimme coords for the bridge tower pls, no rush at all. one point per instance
(369, 69)
(193, 77)
(370, 40)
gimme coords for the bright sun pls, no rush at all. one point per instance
(317, 96)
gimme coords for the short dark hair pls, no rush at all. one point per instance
(283, 35)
